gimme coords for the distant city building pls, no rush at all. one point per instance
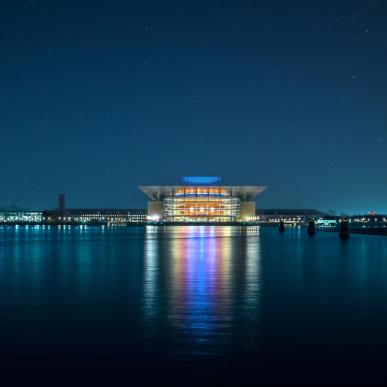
(287, 215)
(369, 220)
(94, 216)
(19, 216)
(327, 222)
(103, 216)
(200, 200)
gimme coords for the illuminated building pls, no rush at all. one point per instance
(292, 216)
(19, 216)
(94, 216)
(200, 200)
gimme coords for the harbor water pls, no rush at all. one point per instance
(207, 301)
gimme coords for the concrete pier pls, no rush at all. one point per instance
(343, 229)
(311, 227)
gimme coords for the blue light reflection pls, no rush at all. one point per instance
(196, 264)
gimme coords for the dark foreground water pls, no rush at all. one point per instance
(217, 303)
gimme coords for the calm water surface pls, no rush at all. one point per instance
(204, 300)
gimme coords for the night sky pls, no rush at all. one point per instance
(99, 97)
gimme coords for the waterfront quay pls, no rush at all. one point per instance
(353, 227)
(199, 201)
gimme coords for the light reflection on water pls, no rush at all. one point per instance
(202, 295)
(204, 282)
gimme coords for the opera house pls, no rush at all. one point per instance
(201, 199)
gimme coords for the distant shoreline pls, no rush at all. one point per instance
(352, 230)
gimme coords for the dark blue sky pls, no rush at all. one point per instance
(99, 97)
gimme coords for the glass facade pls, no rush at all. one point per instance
(212, 204)
(201, 203)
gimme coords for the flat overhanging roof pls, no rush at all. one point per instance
(244, 192)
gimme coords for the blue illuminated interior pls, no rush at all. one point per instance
(201, 179)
